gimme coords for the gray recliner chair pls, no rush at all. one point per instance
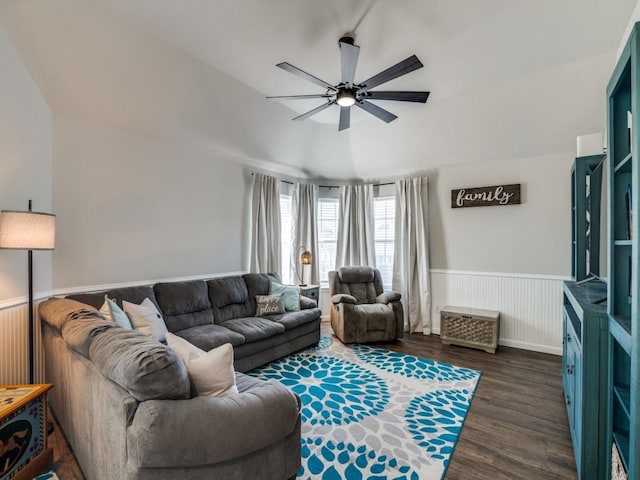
(360, 310)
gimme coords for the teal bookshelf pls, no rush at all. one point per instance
(623, 422)
(586, 187)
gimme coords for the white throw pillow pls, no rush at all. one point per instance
(147, 319)
(211, 373)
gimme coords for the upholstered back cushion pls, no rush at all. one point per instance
(359, 282)
(148, 370)
(258, 284)
(140, 365)
(357, 274)
(229, 298)
(58, 311)
(130, 294)
(184, 304)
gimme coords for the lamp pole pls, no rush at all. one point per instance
(31, 320)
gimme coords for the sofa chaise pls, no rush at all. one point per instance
(123, 400)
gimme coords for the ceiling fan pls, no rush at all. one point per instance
(347, 93)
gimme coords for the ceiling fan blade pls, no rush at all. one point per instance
(348, 61)
(376, 111)
(314, 111)
(299, 97)
(402, 68)
(307, 76)
(420, 97)
(345, 118)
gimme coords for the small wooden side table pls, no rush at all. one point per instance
(310, 291)
(23, 431)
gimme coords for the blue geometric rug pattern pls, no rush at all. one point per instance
(370, 413)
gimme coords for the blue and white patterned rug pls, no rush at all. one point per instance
(370, 413)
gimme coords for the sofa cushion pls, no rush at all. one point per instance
(258, 284)
(254, 328)
(229, 298)
(184, 304)
(210, 373)
(58, 311)
(145, 368)
(131, 294)
(277, 343)
(79, 333)
(294, 319)
(207, 337)
(356, 274)
(96, 300)
(259, 416)
(377, 315)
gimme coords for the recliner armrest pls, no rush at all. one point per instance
(388, 297)
(307, 303)
(343, 298)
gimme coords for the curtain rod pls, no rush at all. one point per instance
(336, 186)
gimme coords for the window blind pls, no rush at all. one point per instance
(327, 237)
(285, 236)
(384, 231)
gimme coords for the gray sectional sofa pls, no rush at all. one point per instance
(123, 400)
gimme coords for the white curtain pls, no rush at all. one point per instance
(304, 219)
(411, 257)
(265, 224)
(356, 243)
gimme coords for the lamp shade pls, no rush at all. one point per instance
(305, 258)
(27, 230)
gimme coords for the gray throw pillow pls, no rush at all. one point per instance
(269, 304)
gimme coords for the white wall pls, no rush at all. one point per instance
(533, 237)
(133, 207)
(25, 166)
(635, 17)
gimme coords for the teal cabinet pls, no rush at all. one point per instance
(585, 375)
(623, 111)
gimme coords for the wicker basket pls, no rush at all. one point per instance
(617, 468)
(470, 327)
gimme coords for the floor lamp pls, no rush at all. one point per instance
(28, 231)
(305, 259)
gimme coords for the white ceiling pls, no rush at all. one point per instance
(496, 69)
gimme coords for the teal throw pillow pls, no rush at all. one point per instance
(112, 312)
(119, 316)
(290, 294)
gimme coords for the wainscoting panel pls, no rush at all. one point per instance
(14, 330)
(530, 309)
(14, 351)
(530, 306)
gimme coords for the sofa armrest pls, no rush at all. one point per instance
(307, 303)
(388, 297)
(208, 430)
(343, 298)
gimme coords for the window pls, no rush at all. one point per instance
(384, 231)
(285, 237)
(327, 236)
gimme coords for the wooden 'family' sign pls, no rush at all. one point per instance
(485, 196)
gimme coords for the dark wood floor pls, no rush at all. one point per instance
(517, 425)
(516, 428)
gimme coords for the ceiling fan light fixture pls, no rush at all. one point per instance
(346, 98)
